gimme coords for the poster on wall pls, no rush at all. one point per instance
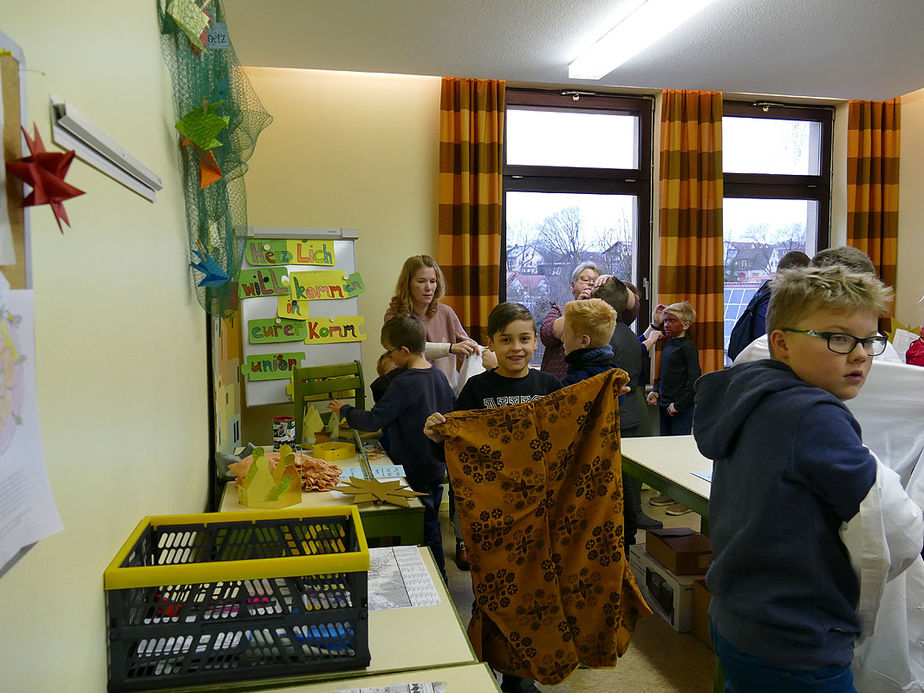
(27, 508)
(301, 297)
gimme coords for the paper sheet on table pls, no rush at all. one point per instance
(27, 507)
(704, 475)
(418, 687)
(7, 252)
(901, 340)
(399, 579)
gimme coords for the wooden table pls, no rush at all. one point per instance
(668, 463)
(388, 522)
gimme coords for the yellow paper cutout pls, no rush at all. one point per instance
(191, 19)
(378, 492)
(324, 284)
(311, 424)
(271, 488)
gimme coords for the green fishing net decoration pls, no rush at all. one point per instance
(218, 113)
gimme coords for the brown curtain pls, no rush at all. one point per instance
(471, 197)
(873, 138)
(691, 266)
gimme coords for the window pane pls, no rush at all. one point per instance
(766, 145)
(757, 233)
(572, 139)
(549, 234)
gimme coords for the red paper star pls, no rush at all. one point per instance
(45, 172)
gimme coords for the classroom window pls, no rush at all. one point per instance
(776, 164)
(577, 187)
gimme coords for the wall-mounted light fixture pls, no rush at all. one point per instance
(645, 24)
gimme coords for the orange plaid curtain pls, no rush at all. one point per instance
(873, 138)
(691, 188)
(471, 197)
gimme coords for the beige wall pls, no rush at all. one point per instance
(348, 149)
(120, 339)
(910, 282)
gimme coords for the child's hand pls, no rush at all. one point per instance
(488, 359)
(432, 421)
(336, 405)
(657, 317)
(652, 339)
(671, 410)
(466, 347)
(625, 390)
(652, 398)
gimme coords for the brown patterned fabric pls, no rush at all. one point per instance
(539, 494)
(471, 197)
(873, 142)
(691, 263)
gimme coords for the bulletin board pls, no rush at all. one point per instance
(12, 116)
(337, 311)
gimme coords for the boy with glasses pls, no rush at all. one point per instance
(789, 469)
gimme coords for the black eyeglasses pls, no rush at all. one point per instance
(843, 343)
(389, 352)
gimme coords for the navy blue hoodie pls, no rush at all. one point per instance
(789, 468)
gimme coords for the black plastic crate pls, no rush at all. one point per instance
(201, 599)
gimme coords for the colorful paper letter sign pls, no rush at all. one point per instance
(327, 284)
(335, 330)
(271, 281)
(272, 366)
(269, 330)
(264, 252)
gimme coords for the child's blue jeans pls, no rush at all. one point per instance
(680, 424)
(746, 674)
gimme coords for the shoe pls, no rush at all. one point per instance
(515, 684)
(462, 556)
(661, 499)
(678, 509)
(642, 521)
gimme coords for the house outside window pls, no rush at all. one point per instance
(577, 187)
(777, 178)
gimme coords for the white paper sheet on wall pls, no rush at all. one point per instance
(27, 508)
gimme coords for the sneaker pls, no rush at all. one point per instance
(462, 562)
(515, 684)
(661, 499)
(642, 521)
(678, 509)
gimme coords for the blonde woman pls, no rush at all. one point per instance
(420, 287)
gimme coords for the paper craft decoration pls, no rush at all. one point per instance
(202, 124)
(333, 450)
(335, 330)
(273, 330)
(333, 428)
(191, 19)
(311, 424)
(271, 486)
(272, 366)
(289, 252)
(272, 281)
(209, 170)
(45, 172)
(325, 284)
(214, 274)
(378, 492)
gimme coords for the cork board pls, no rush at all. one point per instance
(13, 93)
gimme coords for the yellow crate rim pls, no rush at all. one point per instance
(116, 577)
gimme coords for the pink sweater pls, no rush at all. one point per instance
(443, 330)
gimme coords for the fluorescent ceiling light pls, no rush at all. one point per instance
(636, 32)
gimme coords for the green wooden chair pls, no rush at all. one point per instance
(339, 380)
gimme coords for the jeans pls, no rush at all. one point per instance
(681, 424)
(746, 674)
(433, 538)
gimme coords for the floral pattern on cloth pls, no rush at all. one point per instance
(539, 493)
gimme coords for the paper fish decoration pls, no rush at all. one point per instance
(191, 19)
(45, 172)
(202, 124)
(214, 274)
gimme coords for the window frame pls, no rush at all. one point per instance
(776, 186)
(570, 179)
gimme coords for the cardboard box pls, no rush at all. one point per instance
(701, 599)
(681, 550)
(670, 596)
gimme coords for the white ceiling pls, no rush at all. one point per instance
(845, 49)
